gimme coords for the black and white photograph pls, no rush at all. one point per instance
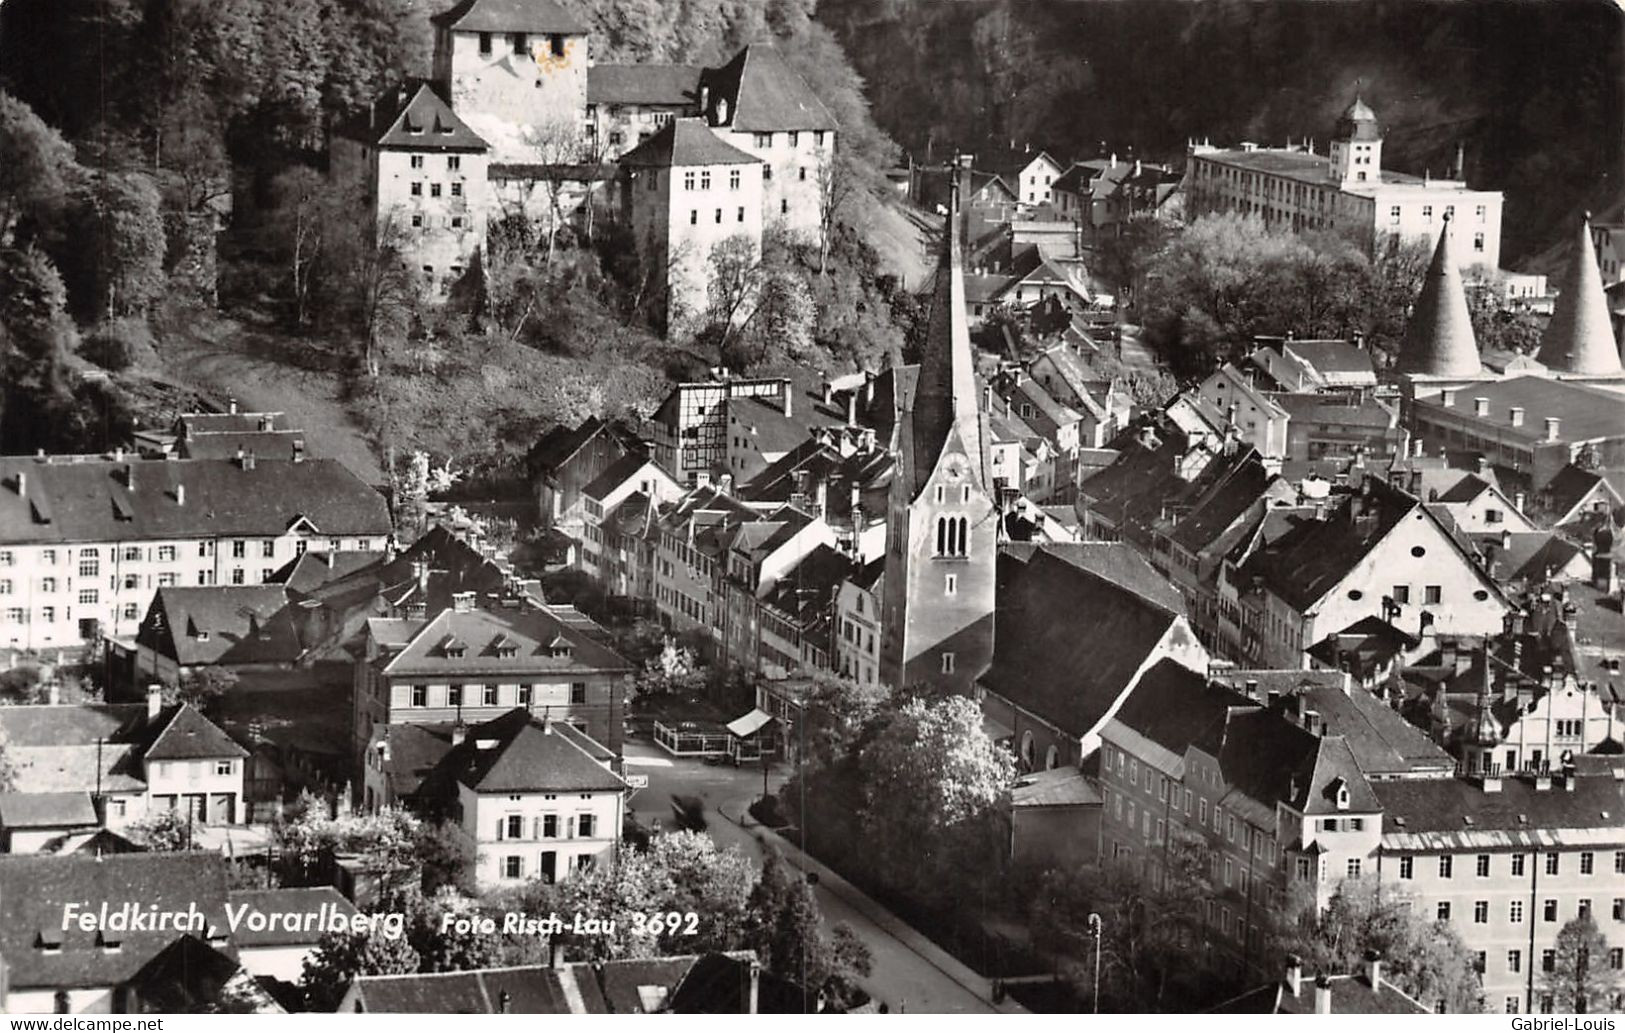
(790, 507)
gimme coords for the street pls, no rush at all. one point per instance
(902, 977)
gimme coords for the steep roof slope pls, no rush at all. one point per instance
(1580, 337)
(763, 94)
(1439, 338)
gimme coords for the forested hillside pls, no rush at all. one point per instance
(1533, 90)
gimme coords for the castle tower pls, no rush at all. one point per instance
(517, 74)
(937, 620)
(1439, 339)
(1579, 338)
(1357, 146)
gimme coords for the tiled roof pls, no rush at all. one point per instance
(310, 569)
(1580, 336)
(1070, 672)
(521, 752)
(47, 810)
(1217, 511)
(34, 889)
(77, 768)
(93, 501)
(672, 85)
(1344, 412)
(414, 117)
(1456, 806)
(1117, 562)
(686, 142)
(188, 735)
(763, 94)
(1057, 787)
(1332, 356)
(1567, 490)
(222, 624)
(201, 424)
(1439, 337)
(1312, 557)
(1584, 411)
(804, 592)
(523, 990)
(511, 16)
(554, 448)
(530, 634)
(616, 474)
(298, 900)
(1350, 995)
(266, 444)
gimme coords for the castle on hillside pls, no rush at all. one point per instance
(517, 122)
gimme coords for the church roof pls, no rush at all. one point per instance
(946, 400)
(1439, 339)
(1579, 338)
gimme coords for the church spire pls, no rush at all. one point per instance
(946, 399)
(1578, 339)
(1439, 338)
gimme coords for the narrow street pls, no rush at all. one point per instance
(902, 977)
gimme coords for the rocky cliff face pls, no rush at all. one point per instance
(1532, 91)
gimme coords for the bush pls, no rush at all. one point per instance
(118, 344)
(768, 812)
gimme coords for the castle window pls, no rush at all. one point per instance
(520, 43)
(457, 190)
(947, 663)
(764, 139)
(417, 161)
(951, 585)
(434, 189)
(417, 189)
(818, 137)
(741, 214)
(485, 43)
(1478, 242)
(688, 181)
(705, 180)
(555, 45)
(719, 216)
(693, 216)
(453, 163)
(417, 222)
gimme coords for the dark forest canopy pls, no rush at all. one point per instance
(1533, 91)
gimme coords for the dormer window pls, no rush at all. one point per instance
(559, 648)
(109, 942)
(49, 940)
(452, 646)
(504, 647)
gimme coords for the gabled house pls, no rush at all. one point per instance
(128, 759)
(632, 474)
(1376, 552)
(1478, 506)
(1258, 418)
(567, 459)
(627, 104)
(1362, 993)
(532, 797)
(841, 475)
(1104, 405)
(1575, 499)
(422, 172)
(239, 627)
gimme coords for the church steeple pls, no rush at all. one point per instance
(942, 523)
(1579, 338)
(1439, 339)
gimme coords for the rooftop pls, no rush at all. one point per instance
(671, 85)
(477, 641)
(759, 93)
(684, 143)
(511, 16)
(1584, 412)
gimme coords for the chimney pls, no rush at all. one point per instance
(504, 1002)
(248, 461)
(267, 423)
(1114, 159)
(1481, 406)
(852, 409)
(1448, 398)
(459, 732)
(1252, 689)
(829, 393)
(180, 494)
(1506, 540)
(22, 484)
(868, 389)
(1552, 424)
(129, 477)
(155, 701)
(1518, 499)
(298, 450)
(789, 393)
(462, 602)
(1517, 415)
(752, 1004)
(555, 953)
(231, 406)
(1373, 969)
(1323, 996)
(1481, 464)
(1294, 975)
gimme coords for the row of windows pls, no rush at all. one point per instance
(548, 826)
(416, 189)
(454, 162)
(513, 866)
(1548, 910)
(694, 216)
(490, 695)
(520, 42)
(793, 137)
(1482, 864)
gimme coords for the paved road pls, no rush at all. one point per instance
(901, 977)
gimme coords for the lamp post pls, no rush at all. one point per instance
(1094, 933)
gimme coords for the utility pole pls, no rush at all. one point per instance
(1094, 933)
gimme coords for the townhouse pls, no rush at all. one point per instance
(468, 663)
(86, 541)
(532, 797)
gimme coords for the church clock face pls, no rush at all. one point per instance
(955, 466)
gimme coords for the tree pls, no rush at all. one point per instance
(933, 784)
(167, 829)
(672, 670)
(127, 228)
(557, 144)
(202, 687)
(1127, 256)
(1580, 976)
(783, 322)
(445, 857)
(302, 219)
(339, 957)
(736, 276)
(687, 873)
(442, 945)
(834, 712)
(1426, 959)
(22, 684)
(785, 929)
(39, 169)
(8, 767)
(308, 840)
